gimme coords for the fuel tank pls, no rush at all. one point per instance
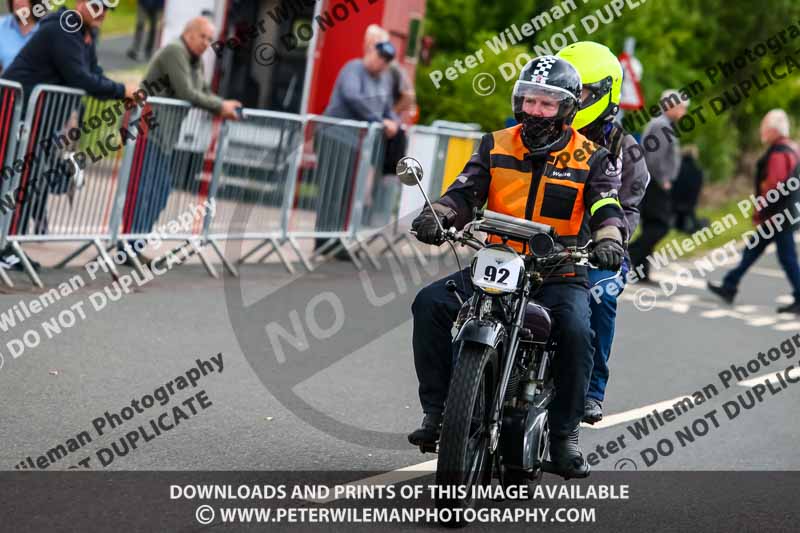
(537, 320)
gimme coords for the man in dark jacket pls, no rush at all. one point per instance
(773, 171)
(57, 55)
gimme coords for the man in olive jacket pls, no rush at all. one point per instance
(165, 164)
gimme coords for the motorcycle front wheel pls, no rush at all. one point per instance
(464, 459)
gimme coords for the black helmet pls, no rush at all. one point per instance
(556, 85)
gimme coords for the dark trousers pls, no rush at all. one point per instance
(787, 256)
(656, 216)
(145, 16)
(435, 309)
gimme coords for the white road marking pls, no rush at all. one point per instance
(793, 373)
(406, 473)
(634, 414)
(770, 272)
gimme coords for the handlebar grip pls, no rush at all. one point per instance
(499, 217)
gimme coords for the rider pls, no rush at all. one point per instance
(601, 75)
(541, 170)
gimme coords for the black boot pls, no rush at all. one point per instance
(592, 411)
(791, 308)
(428, 433)
(566, 457)
(727, 294)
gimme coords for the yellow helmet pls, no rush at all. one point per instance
(601, 75)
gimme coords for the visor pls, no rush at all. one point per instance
(550, 101)
(594, 92)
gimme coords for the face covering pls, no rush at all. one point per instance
(539, 132)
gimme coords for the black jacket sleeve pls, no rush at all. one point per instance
(69, 58)
(470, 190)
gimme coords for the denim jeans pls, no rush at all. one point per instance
(787, 256)
(604, 315)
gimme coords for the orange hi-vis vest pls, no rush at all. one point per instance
(555, 198)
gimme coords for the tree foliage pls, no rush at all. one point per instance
(677, 42)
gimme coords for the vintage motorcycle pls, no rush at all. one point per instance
(495, 419)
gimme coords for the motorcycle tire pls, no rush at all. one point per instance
(464, 458)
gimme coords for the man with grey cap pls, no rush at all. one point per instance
(663, 157)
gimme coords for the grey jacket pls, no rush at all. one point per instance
(635, 179)
(662, 151)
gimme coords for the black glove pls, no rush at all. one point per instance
(609, 254)
(425, 225)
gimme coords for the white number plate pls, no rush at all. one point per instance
(497, 270)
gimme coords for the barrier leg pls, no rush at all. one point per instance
(107, 258)
(360, 245)
(408, 240)
(282, 256)
(73, 255)
(390, 247)
(5, 278)
(296, 247)
(252, 252)
(27, 264)
(209, 267)
(350, 254)
(325, 248)
(225, 263)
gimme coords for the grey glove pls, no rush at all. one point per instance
(609, 254)
(425, 225)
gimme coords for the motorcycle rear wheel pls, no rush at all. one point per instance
(464, 458)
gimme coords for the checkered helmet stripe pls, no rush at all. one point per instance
(543, 67)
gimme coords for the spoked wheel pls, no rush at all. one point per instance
(464, 458)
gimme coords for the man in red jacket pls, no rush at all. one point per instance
(772, 172)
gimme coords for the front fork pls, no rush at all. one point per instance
(508, 367)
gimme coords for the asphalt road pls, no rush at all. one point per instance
(54, 391)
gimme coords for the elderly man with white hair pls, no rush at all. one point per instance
(777, 165)
(663, 158)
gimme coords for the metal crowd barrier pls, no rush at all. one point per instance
(336, 165)
(10, 115)
(70, 152)
(169, 173)
(274, 178)
(254, 187)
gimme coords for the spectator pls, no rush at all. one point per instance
(663, 161)
(147, 12)
(16, 31)
(181, 63)
(362, 92)
(686, 192)
(56, 57)
(778, 164)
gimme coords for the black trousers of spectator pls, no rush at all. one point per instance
(145, 16)
(656, 213)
